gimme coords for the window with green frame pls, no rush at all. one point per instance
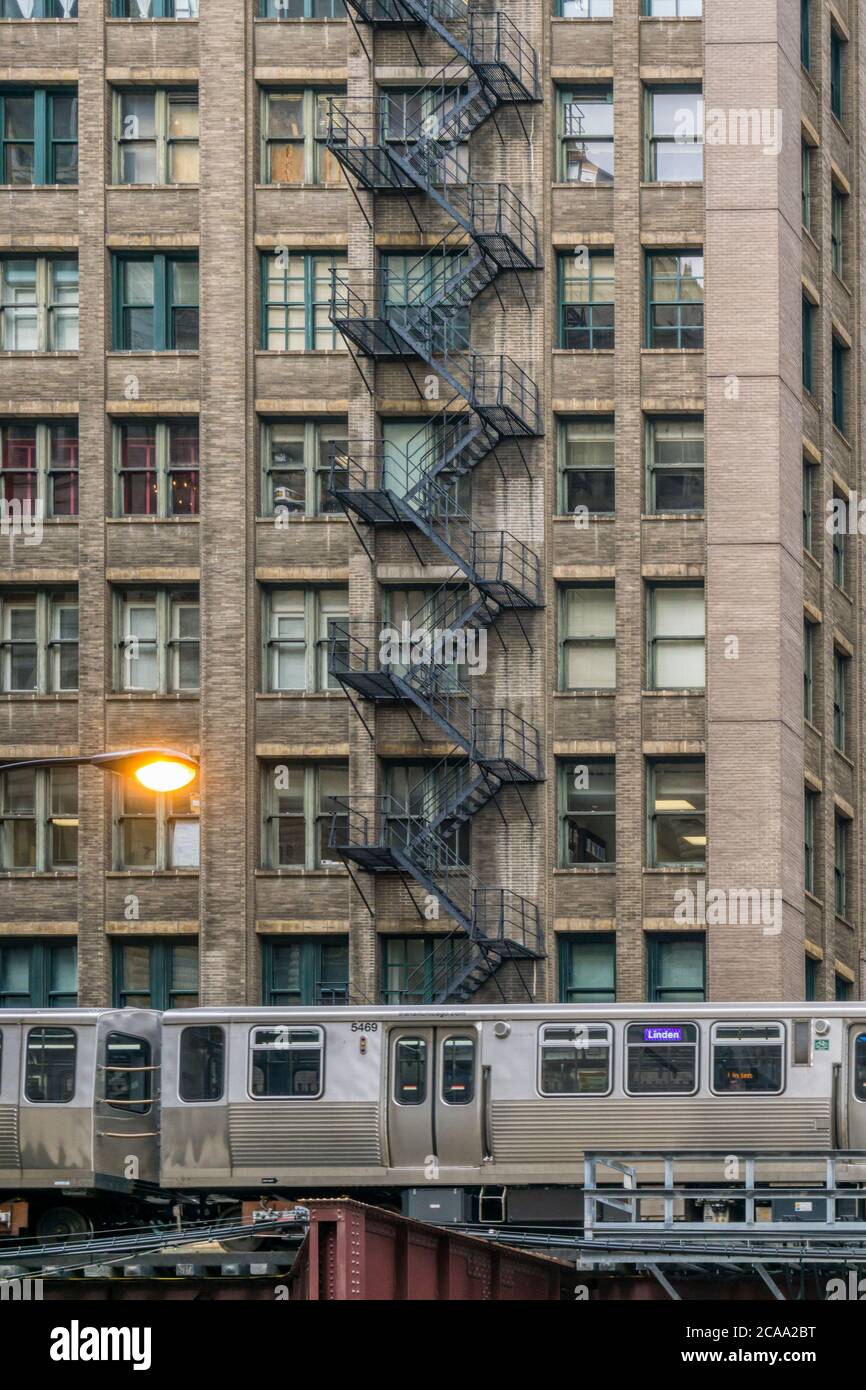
(155, 973)
(296, 461)
(587, 968)
(677, 812)
(156, 468)
(841, 667)
(676, 969)
(584, 9)
(410, 114)
(294, 127)
(39, 974)
(839, 510)
(39, 303)
(810, 802)
(808, 663)
(586, 300)
(154, 9)
(38, 9)
(39, 819)
(298, 628)
(155, 831)
(296, 301)
(807, 318)
(156, 134)
(808, 483)
(414, 966)
(673, 9)
(674, 125)
(676, 637)
(806, 33)
(838, 201)
(675, 300)
(675, 463)
(416, 794)
(839, 360)
(299, 802)
(842, 831)
(39, 466)
(412, 612)
(585, 457)
(408, 280)
(304, 970)
(586, 148)
(157, 640)
(806, 184)
(38, 135)
(410, 445)
(156, 300)
(302, 9)
(836, 72)
(586, 796)
(38, 641)
(843, 988)
(587, 637)
(813, 967)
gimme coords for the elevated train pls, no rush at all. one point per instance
(116, 1115)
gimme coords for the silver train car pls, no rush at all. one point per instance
(101, 1108)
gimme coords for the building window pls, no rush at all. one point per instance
(675, 310)
(156, 303)
(299, 803)
(840, 864)
(296, 457)
(808, 668)
(415, 614)
(584, 9)
(586, 300)
(154, 9)
(40, 819)
(158, 645)
(676, 634)
(38, 974)
(38, 136)
(675, 457)
(806, 184)
(841, 667)
(411, 448)
(39, 467)
(586, 150)
(155, 973)
(298, 627)
(678, 803)
(810, 803)
(417, 795)
(837, 229)
(156, 831)
(408, 281)
(673, 9)
(587, 637)
(309, 970)
(411, 114)
(39, 304)
(675, 124)
(156, 136)
(808, 530)
(39, 642)
(301, 9)
(157, 468)
(38, 9)
(843, 989)
(676, 969)
(587, 969)
(417, 968)
(812, 968)
(587, 812)
(836, 73)
(808, 311)
(585, 452)
(294, 127)
(839, 512)
(840, 365)
(806, 33)
(296, 302)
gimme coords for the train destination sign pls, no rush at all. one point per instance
(662, 1034)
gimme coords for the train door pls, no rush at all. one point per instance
(857, 1088)
(435, 1102)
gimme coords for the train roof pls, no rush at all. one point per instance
(79, 1017)
(430, 1013)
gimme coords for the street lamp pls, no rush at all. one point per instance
(157, 769)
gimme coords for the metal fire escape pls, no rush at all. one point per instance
(406, 145)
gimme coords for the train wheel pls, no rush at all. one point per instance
(56, 1223)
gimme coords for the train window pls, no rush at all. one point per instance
(662, 1058)
(287, 1062)
(410, 1071)
(128, 1073)
(458, 1071)
(860, 1067)
(202, 1064)
(50, 1072)
(575, 1059)
(747, 1057)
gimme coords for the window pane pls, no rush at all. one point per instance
(50, 1067)
(410, 1071)
(575, 1059)
(662, 1057)
(458, 1071)
(202, 1064)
